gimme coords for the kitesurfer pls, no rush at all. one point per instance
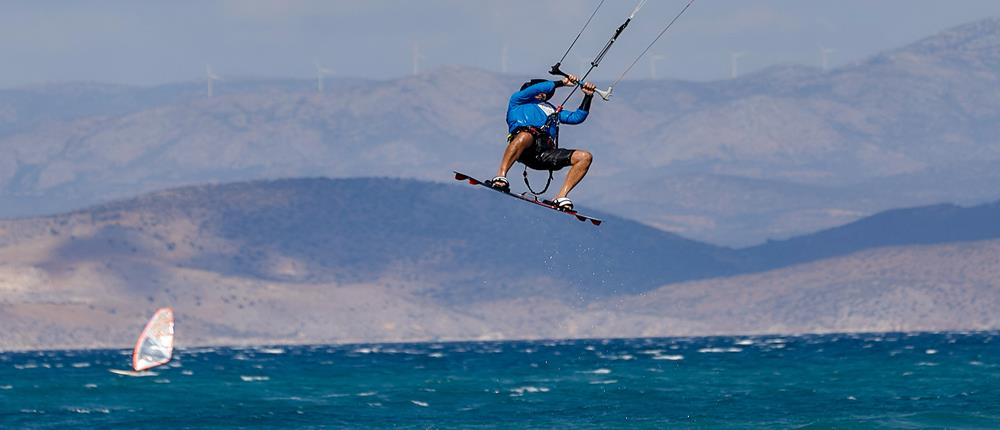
(534, 132)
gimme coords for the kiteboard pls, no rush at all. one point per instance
(529, 199)
(154, 347)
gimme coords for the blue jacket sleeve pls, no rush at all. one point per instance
(572, 117)
(527, 95)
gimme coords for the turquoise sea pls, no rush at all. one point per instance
(905, 381)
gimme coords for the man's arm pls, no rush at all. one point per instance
(579, 115)
(528, 95)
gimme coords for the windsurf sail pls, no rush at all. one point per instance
(155, 345)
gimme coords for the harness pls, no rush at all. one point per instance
(544, 139)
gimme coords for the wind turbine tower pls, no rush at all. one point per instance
(824, 54)
(734, 63)
(652, 64)
(320, 73)
(503, 59)
(584, 65)
(417, 56)
(210, 77)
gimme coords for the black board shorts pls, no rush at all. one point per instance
(542, 156)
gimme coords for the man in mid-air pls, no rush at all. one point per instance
(533, 135)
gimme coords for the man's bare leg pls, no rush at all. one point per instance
(579, 165)
(514, 150)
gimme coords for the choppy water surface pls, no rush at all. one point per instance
(835, 381)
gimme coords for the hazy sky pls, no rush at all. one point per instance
(146, 42)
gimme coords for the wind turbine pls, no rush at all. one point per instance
(417, 56)
(210, 76)
(824, 54)
(652, 64)
(503, 59)
(320, 73)
(584, 65)
(734, 63)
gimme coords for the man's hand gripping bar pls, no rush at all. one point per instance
(606, 94)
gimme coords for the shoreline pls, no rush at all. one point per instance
(254, 345)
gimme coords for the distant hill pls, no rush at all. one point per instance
(785, 151)
(954, 286)
(355, 230)
(321, 260)
(912, 226)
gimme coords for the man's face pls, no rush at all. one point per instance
(542, 97)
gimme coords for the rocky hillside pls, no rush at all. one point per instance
(952, 286)
(320, 260)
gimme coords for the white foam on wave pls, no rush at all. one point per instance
(81, 365)
(187, 373)
(161, 381)
(520, 391)
(6, 387)
(669, 357)
(717, 350)
(436, 355)
(367, 394)
(604, 382)
(419, 403)
(590, 348)
(90, 410)
(926, 364)
(271, 350)
(26, 366)
(601, 371)
(652, 352)
(254, 378)
(91, 386)
(625, 357)
(931, 351)
(745, 342)
(365, 350)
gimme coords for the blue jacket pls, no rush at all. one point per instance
(524, 110)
